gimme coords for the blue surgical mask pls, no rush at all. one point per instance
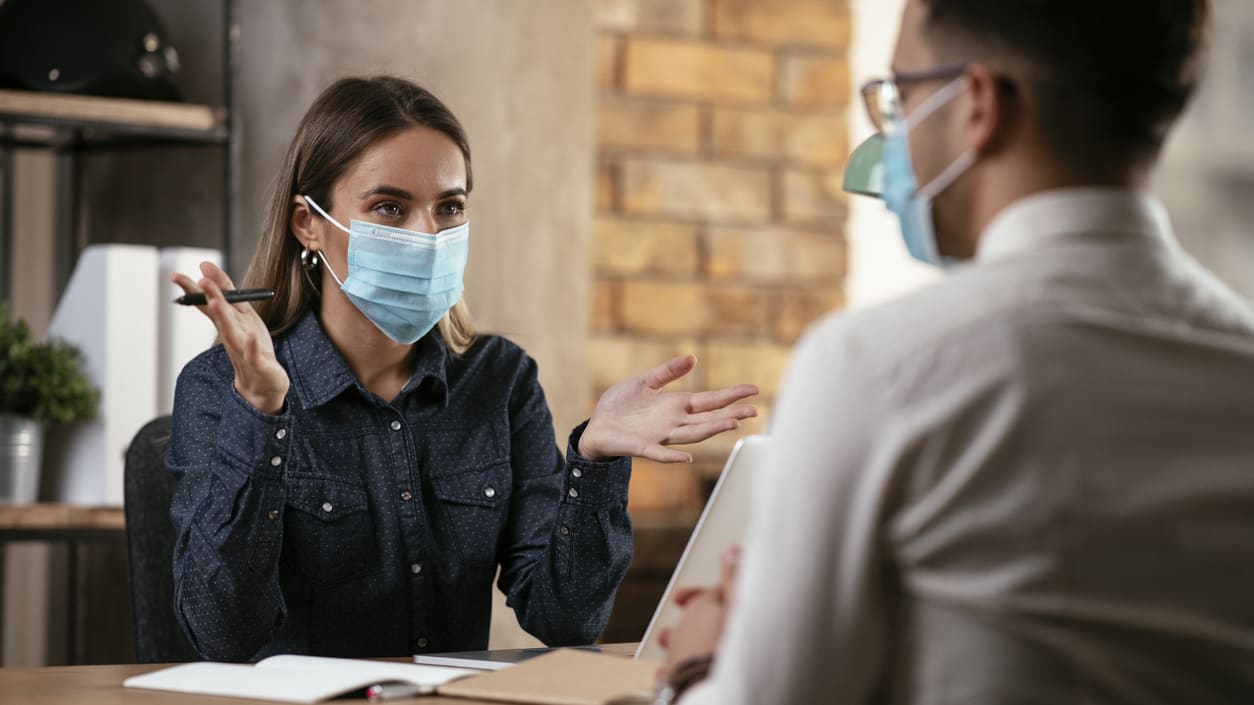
(913, 205)
(404, 281)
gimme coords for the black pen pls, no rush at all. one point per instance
(232, 297)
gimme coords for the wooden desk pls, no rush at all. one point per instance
(102, 685)
(68, 524)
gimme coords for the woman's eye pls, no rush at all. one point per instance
(452, 208)
(389, 209)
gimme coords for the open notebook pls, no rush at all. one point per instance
(563, 677)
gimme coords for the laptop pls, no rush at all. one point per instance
(722, 524)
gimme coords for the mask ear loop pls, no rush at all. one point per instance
(959, 166)
(323, 259)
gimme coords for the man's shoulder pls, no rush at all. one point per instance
(935, 315)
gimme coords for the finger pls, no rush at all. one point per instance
(669, 371)
(215, 274)
(719, 398)
(215, 307)
(185, 283)
(685, 435)
(223, 316)
(730, 566)
(684, 594)
(188, 286)
(662, 454)
(736, 412)
(219, 277)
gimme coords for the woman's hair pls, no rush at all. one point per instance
(349, 116)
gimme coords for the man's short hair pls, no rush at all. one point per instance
(1111, 76)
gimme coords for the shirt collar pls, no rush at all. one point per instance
(319, 373)
(1077, 214)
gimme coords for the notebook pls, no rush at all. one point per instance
(294, 679)
(561, 677)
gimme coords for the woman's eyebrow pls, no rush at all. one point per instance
(385, 190)
(450, 193)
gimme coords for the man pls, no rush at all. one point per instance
(1034, 481)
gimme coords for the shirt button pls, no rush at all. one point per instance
(422, 643)
(415, 568)
(281, 434)
(326, 507)
(573, 493)
(489, 492)
(577, 472)
(396, 425)
(276, 461)
(406, 495)
(565, 530)
(272, 514)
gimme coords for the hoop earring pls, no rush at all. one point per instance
(309, 259)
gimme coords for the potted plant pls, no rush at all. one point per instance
(40, 383)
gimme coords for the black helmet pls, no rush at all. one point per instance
(97, 47)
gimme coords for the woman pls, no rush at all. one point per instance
(353, 462)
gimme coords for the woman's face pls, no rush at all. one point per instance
(415, 180)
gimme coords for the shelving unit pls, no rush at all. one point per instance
(74, 125)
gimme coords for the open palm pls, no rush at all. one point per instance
(637, 417)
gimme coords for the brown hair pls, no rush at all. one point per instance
(349, 116)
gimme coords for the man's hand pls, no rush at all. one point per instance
(705, 614)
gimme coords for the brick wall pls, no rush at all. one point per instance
(719, 226)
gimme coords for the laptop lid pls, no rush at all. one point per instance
(723, 523)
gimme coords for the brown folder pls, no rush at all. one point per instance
(563, 677)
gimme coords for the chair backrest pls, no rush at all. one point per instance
(150, 548)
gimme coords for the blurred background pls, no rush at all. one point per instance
(653, 177)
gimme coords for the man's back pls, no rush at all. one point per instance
(1031, 483)
(1077, 469)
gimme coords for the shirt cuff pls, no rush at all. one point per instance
(591, 482)
(256, 441)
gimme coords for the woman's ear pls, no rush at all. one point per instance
(302, 224)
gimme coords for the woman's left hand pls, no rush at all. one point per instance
(636, 417)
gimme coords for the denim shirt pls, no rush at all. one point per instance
(351, 526)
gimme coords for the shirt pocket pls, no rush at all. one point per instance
(475, 505)
(328, 530)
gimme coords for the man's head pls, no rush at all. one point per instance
(1059, 92)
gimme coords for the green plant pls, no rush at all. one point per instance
(42, 381)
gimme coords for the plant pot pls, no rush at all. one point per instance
(21, 452)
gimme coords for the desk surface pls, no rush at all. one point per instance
(40, 522)
(102, 685)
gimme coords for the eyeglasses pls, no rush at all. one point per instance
(882, 96)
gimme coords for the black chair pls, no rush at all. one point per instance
(150, 548)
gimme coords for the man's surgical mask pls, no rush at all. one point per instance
(911, 204)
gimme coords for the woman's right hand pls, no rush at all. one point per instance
(259, 378)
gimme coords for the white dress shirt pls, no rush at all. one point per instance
(1030, 483)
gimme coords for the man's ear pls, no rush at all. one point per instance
(302, 224)
(989, 113)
